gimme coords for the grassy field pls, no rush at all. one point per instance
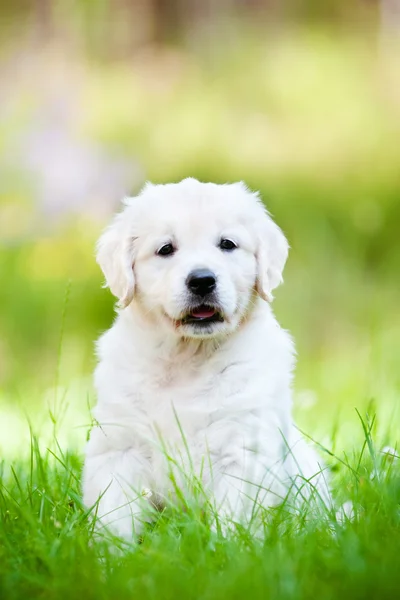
(309, 118)
(47, 548)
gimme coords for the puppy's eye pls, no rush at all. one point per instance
(166, 250)
(226, 244)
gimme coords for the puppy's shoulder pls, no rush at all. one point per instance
(120, 340)
(264, 331)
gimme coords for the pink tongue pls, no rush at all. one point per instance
(203, 313)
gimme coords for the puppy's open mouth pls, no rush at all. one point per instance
(202, 315)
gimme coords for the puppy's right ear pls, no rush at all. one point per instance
(271, 256)
(115, 255)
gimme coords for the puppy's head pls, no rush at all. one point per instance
(190, 256)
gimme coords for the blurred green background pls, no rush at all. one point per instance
(299, 99)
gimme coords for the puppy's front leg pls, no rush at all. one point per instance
(245, 485)
(116, 480)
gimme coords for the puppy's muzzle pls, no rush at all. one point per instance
(201, 282)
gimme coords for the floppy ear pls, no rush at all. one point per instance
(271, 257)
(115, 255)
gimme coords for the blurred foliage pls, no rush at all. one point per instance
(116, 28)
(310, 117)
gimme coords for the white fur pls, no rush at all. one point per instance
(227, 388)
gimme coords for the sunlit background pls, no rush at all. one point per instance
(299, 99)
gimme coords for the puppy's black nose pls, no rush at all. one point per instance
(201, 282)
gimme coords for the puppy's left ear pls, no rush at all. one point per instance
(115, 255)
(271, 255)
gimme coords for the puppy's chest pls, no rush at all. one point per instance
(179, 403)
(187, 401)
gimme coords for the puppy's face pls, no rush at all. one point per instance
(191, 256)
(195, 267)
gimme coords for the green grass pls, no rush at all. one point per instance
(48, 550)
